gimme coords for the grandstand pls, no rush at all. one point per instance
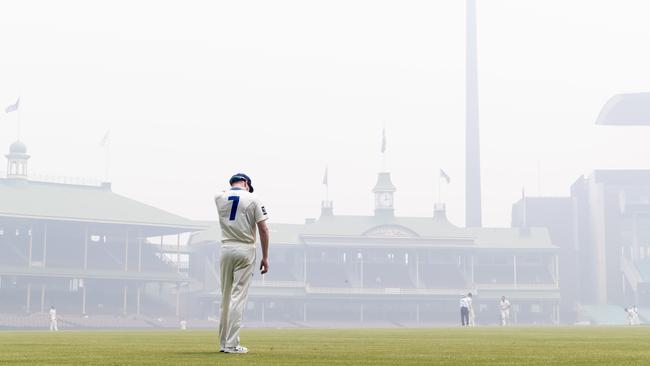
(385, 269)
(105, 260)
(95, 255)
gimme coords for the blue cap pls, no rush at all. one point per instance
(242, 177)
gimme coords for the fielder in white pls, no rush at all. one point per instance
(240, 214)
(472, 315)
(504, 306)
(630, 316)
(53, 324)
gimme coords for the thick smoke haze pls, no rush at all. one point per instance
(195, 91)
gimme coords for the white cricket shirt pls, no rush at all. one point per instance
(239, 212)
(505, 304)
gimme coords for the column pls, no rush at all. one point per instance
(263, 312)
(514, 266)
(471, 258)
(137, 303)
(126, 251)
(44, 244)
(83, 299)
(28, 304)
(42, 298)
(417, 313)
(557, 270)
(178, 253)
(178, 299)
(31, 242)
(304, 312)
(417, 269)
(139, 250)
(86, 248)
(361, 275)
(304, 275)
(124, 300)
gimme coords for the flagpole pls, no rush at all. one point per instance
(18, 122)
(327, 192)
(439, 188)
(108, 156)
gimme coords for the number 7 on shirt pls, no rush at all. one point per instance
(235, 203)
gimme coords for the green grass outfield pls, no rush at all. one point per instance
(436, 346)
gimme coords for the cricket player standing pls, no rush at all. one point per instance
(465, 306)
(240, 213)
(504, 306)
(630, 316)
(53, 323)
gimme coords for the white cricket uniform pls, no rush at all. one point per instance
(630, 316)
(53, 323)
(635, 317)
(472, 316)
(505, 311)
(239, 213)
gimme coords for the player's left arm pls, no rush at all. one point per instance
(264, 241)
(260, 218)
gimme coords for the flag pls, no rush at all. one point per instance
(105, 139)
(383, 141)
(445, 176)
(325, 177)
(13, 107)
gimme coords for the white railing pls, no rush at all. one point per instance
(80, 181)
(518, 286)
(384, 291)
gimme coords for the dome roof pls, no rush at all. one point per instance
(18, 148)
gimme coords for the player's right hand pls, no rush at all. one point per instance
(264, 265)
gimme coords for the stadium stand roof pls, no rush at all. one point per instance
(398, 227)
(97, 204)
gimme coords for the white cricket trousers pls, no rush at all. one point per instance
(53, 325)
(236, 274)
(505, 317)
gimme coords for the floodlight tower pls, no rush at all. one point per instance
(472, 140)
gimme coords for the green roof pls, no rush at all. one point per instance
(55, 201)
(386, 228)
(372, 226)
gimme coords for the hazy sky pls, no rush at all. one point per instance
(194, 91)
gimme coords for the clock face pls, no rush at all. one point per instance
(384, 200)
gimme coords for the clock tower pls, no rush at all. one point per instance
(384, 196)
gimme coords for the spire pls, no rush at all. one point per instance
(17, 161)
(472, 140)
(327, 206)
(383, 148)
(384, 195)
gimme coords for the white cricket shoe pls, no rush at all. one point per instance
(238, 349)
